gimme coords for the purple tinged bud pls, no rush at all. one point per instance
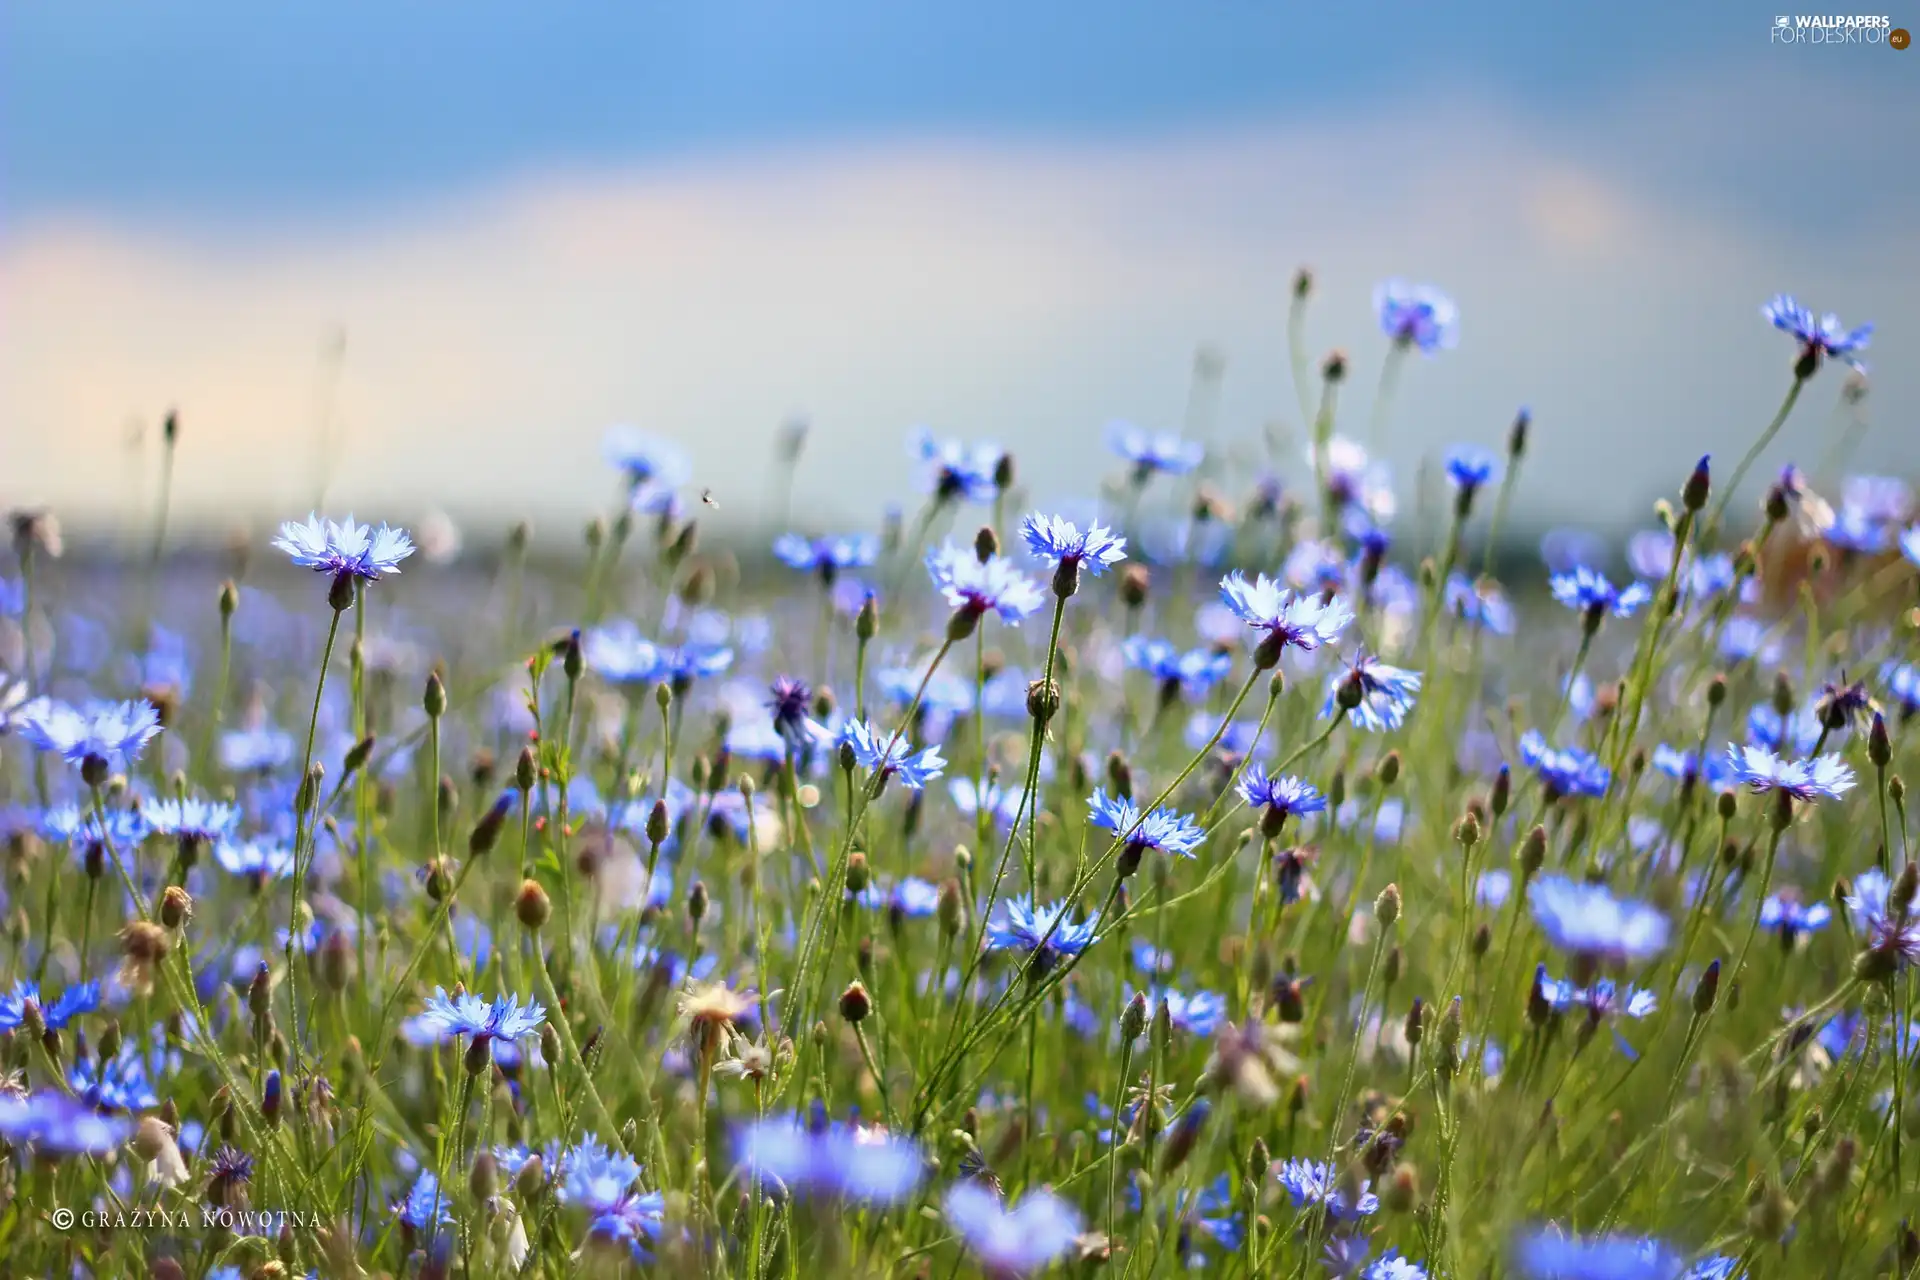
(1706, 991)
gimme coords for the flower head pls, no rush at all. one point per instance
(81, 997)
(1016, 1241)
(1019, 925)
(974, 587)
(1192, 672)
(1303, 622)
(468, 1015)
(1566, 771)
(191, 818)
(1761, 771)
(955, 470)
(1313, 1182)
(892, 757)
(1164, 829)
(55, 1124)
(1588, 921)
(1059, 541)
(424, 1204)
(1819, 336)
(1588, 591)
(826, 556)
(1279, 798)
(111, 733)
(1151, 451)
(344, 549)
(1470, 467)
(649, 464)
(1547, 1254)
(1417, 315)
(851, 1162)
(1376, 697)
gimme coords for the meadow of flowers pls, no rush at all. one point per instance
(1223, 873)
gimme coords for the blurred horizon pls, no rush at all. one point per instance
(471, 243)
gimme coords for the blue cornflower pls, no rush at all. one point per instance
(1416, 315)
(974, 587)
(80, 828)
(1192, 672)
(596, 1177)
(1684, 765)
(826, 556)
(680, 665)
(55, 1124)
(1867, 903)
(1770, 729)
(1546, 1254)
(1601, 1000)
(192, 819)
(1761, 771)
(1313, 1182)
(1493, 887)
(468, 1015)
(1469, 467)
(1589, 922)
(1003, 803)
(1818, 337)
(1858, 530)
(1480, 602)
(1279, 798)
(260, 750)
(1910, 543)
(110, 733)
(914, 898)
(255, 860)
(1588, 591)
(81, 997)
(344, 549)
(650, 465)
(1391, 1266)
(1386, 694)
(1566, 771)
(870, 1165)
(1012, 1242)
(1903, 682)
(1744, 637)
(423, 1204)
(891, 757)
(955, 470)
(1303, 622)
(1019, 925)
(791, 707)
(1785, 912)
(119, 1084)
(618, 653)
(1164, 829)
(1151, 451)
(1199, 1014)
(1061, 543)
(1344, 1256)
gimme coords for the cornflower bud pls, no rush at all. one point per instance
(855, 1003)
(1386, 907)
(1706, 990)
(531, 905)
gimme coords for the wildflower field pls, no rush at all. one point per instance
(1221, 874)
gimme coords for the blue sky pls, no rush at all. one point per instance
(219, 108)
(1003, 219)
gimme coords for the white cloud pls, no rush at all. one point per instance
(1026, 293)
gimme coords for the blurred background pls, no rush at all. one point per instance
(422, 256)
